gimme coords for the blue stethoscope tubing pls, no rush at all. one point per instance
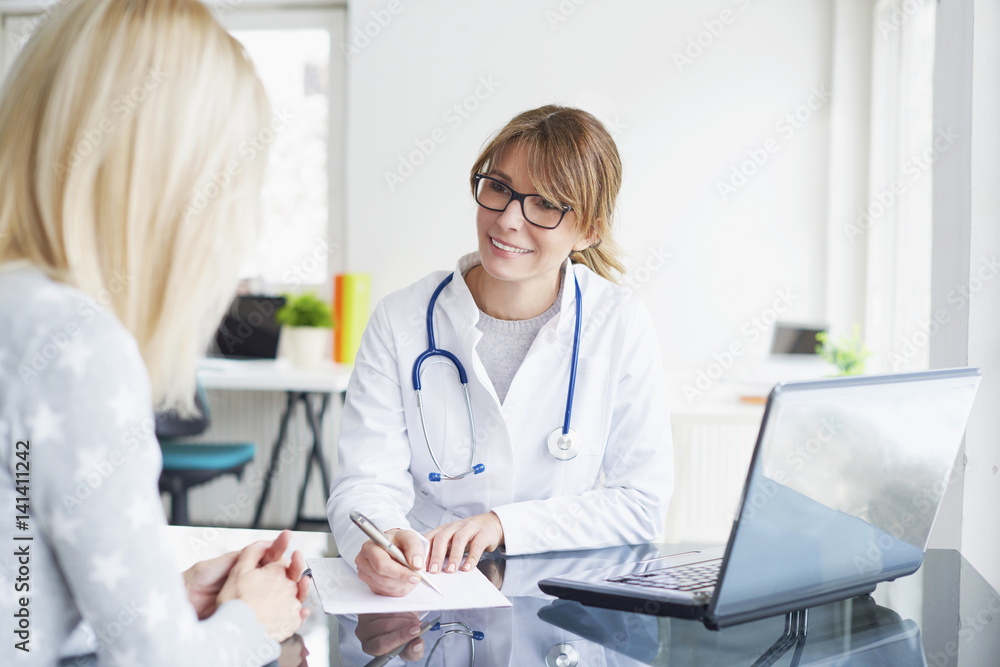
(562, 443)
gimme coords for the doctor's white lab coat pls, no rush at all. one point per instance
(614, 492)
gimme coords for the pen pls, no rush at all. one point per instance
(394, 653)
(379, 538)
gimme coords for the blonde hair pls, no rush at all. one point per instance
(571, 159)
(128, 169)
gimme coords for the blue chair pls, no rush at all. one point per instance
(189, 465)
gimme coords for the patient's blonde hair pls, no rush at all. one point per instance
(130, 167)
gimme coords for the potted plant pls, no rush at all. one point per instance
(847, 354)
(305, 321)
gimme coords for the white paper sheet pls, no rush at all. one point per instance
(342, 592)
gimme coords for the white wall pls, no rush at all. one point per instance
(966, 256)
(680, 130)
(951, 226)
(980, 534)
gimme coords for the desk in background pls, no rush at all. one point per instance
(300, 385)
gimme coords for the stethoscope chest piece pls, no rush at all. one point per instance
(562, 655)
(564, 447)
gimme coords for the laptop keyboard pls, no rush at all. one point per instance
(694, 577)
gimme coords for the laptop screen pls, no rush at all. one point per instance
(844, 485)
(249, 329)
(794, 339)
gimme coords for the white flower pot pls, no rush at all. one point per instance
(306, 346)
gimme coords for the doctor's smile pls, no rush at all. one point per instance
(509, 248)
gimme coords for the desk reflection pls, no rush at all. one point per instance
(956, 609)
(509, 636)
(854, 632)
(538, 630)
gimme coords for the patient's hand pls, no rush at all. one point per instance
(205, 579)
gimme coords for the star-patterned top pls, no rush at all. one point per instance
(74, 387)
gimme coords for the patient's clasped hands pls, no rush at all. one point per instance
(258, 575)
(451, 541)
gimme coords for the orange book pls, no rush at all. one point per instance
(351, 298)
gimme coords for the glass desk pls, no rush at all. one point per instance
(944, 615)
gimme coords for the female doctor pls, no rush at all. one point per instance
(541, 421)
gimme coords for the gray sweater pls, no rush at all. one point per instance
(77, 441)
(505, 344)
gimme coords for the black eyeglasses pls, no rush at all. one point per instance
(495, 195)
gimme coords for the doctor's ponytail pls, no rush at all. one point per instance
(573, 159)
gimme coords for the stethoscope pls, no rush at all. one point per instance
(562, 443)
(447, 629)
(456, 628)
(560, 655)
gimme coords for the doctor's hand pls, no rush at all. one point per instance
(477, 534)
(383, 574)
(381, 633)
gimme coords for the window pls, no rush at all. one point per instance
(302, 69)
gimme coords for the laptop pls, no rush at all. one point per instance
(845, 481)
(796, 340)
(249, 329)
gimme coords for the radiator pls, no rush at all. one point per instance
(711, 456)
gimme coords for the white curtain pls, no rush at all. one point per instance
(896, 219)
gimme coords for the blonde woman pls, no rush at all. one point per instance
(126, 203)
(562, 440)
